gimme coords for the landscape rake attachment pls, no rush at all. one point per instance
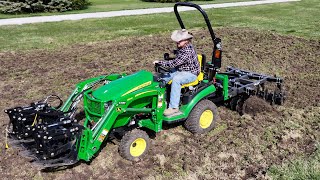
(44, 133)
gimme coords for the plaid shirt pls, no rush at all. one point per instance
(186, 60)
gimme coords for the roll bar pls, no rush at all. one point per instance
(204, 14)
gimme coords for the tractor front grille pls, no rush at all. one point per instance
(93, 106)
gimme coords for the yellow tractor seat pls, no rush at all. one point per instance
(200, 76)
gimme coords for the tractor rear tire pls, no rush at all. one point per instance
(202, 117)
(134, 145)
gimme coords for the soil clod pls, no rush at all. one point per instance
(254, 105)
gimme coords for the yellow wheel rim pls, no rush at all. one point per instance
(138, 147)
(206, 119)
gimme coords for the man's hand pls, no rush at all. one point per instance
(155, 62)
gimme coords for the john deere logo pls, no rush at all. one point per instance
(138, 87)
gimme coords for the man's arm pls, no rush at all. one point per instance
(179, 60)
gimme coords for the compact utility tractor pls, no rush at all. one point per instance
(128, 106)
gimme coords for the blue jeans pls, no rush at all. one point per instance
(178, 78)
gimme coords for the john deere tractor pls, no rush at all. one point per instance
(128, 106)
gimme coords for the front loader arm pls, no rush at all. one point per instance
(92, 139)
(84, 86)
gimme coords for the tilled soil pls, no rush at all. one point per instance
(240, 147)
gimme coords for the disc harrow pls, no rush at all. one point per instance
(243, 84)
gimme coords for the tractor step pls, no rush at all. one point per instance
(174, 114)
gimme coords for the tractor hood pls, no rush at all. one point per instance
(123, 86)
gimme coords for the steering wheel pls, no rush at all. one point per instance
(160, 69)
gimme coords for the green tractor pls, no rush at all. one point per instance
(128, 106)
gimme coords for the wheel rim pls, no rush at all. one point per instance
(206, 119)
(138, 147)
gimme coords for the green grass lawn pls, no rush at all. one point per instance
(301, 168)
(113, 5)
(295, 18)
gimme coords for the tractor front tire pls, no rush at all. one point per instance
(134, 145)
(202, 117)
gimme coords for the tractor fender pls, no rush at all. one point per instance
(201, 95)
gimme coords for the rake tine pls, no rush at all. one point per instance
(27, 154)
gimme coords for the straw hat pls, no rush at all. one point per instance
(179, 35)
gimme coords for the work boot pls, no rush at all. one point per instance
(170, 111)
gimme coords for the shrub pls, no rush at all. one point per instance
(79, 4)
(33, 6)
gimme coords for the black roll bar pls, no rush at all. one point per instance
(204, 14)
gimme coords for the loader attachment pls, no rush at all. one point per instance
(44, 134)
(48, 134)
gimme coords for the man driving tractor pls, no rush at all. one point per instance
(185, 68)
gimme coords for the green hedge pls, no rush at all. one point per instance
(34, 6)
(172, 1)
